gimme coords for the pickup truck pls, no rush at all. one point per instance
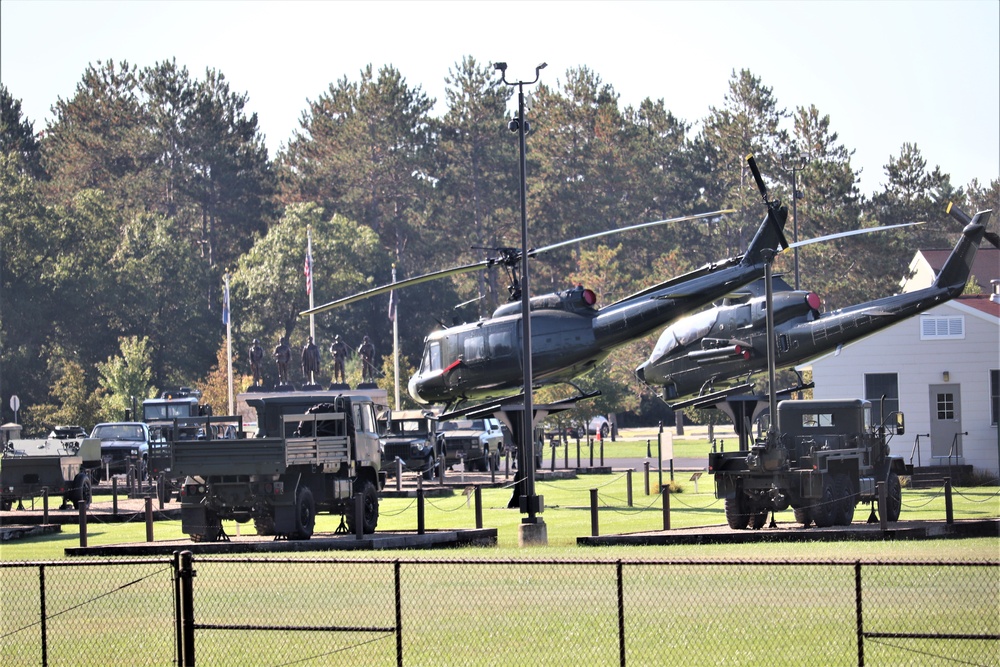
(122, 444)
(475, 442)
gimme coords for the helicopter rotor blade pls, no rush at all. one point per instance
(698, 216)
(772, 206)
(852, 232)
(964, 218)
(382, 289)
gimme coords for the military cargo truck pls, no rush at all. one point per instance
(824, 458)
(313, 452)
(27, 467)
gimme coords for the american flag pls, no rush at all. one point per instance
(307, 270)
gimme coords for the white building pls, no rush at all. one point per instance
(940, 368)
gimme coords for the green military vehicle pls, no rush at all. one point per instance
(825, 457)
(29, 468)
(314, 451)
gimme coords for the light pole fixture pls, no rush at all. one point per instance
(520, 125)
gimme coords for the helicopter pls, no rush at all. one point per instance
(713, 353)
(569, 333)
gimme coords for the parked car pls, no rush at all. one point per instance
(68, 433)
(598, 425)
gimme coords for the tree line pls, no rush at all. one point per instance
(120, 219)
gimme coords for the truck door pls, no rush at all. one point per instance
(946, 420)
(365, 433)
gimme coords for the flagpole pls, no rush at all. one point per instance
(229, 345)
(309, 281)
(395, 336)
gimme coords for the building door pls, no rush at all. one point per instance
(946, 420)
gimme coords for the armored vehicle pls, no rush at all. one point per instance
(60, 466)
(824, 458)
(313, 452)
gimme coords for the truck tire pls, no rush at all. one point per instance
(824, 510)
(802, 516)
(844, 491)
(305, 514)
(6, 504)
(894, 497)
(81, 490)
(737, 515)
(264, 525)
(369, 505)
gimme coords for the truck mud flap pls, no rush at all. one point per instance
(811, 484)
(193, 520)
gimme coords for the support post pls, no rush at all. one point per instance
(594, 528)
(148, 506)
(665, 494)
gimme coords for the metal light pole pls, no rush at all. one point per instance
(798, 163)
(520, 126)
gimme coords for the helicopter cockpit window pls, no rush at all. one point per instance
(500, 343)
(685, 332)
(432, 357)
(473, 348)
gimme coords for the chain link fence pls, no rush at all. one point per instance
(273, 611)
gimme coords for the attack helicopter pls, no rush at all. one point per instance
(569, 333)
(713, 353)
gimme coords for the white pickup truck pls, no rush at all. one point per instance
(477, 443)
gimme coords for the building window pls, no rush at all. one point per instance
(878, 385)
(995, 396)
(940, 327)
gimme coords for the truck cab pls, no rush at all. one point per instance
(413, 438)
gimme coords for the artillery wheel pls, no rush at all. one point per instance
(305, 514)
(81, 490)
(824, 510)
(894, 497)
(844, 491)
(737, 515)
(213, 528)
(802, 516)
(369, 508)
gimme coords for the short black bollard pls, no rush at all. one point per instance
(399, 474)
(420, 509)
(552, 465)
(601, 441)
(649, 452)
(566, 454)
(594, 529)
(665, 494)
(628, 486)
(359, 513)
(114, 496)
(83, 523)
(161, 489)
(578, 453)
(149, 519)
(45, 504)
(479, 507)
(949, 513)
(590, 443)
(645, 466)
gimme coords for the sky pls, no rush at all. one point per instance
(885, 72)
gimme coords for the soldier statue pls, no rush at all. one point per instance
(283, 356)
(310, 361)
(256, 357)
(367, 353)
(339, 350)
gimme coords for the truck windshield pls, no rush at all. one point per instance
(118, 432)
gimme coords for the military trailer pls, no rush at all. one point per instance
(824, 458)
(313, 452)
(29, 467)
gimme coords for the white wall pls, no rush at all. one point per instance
(918, 364)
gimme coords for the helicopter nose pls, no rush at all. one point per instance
(641, 373)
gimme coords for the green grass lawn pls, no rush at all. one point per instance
(567, 517)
